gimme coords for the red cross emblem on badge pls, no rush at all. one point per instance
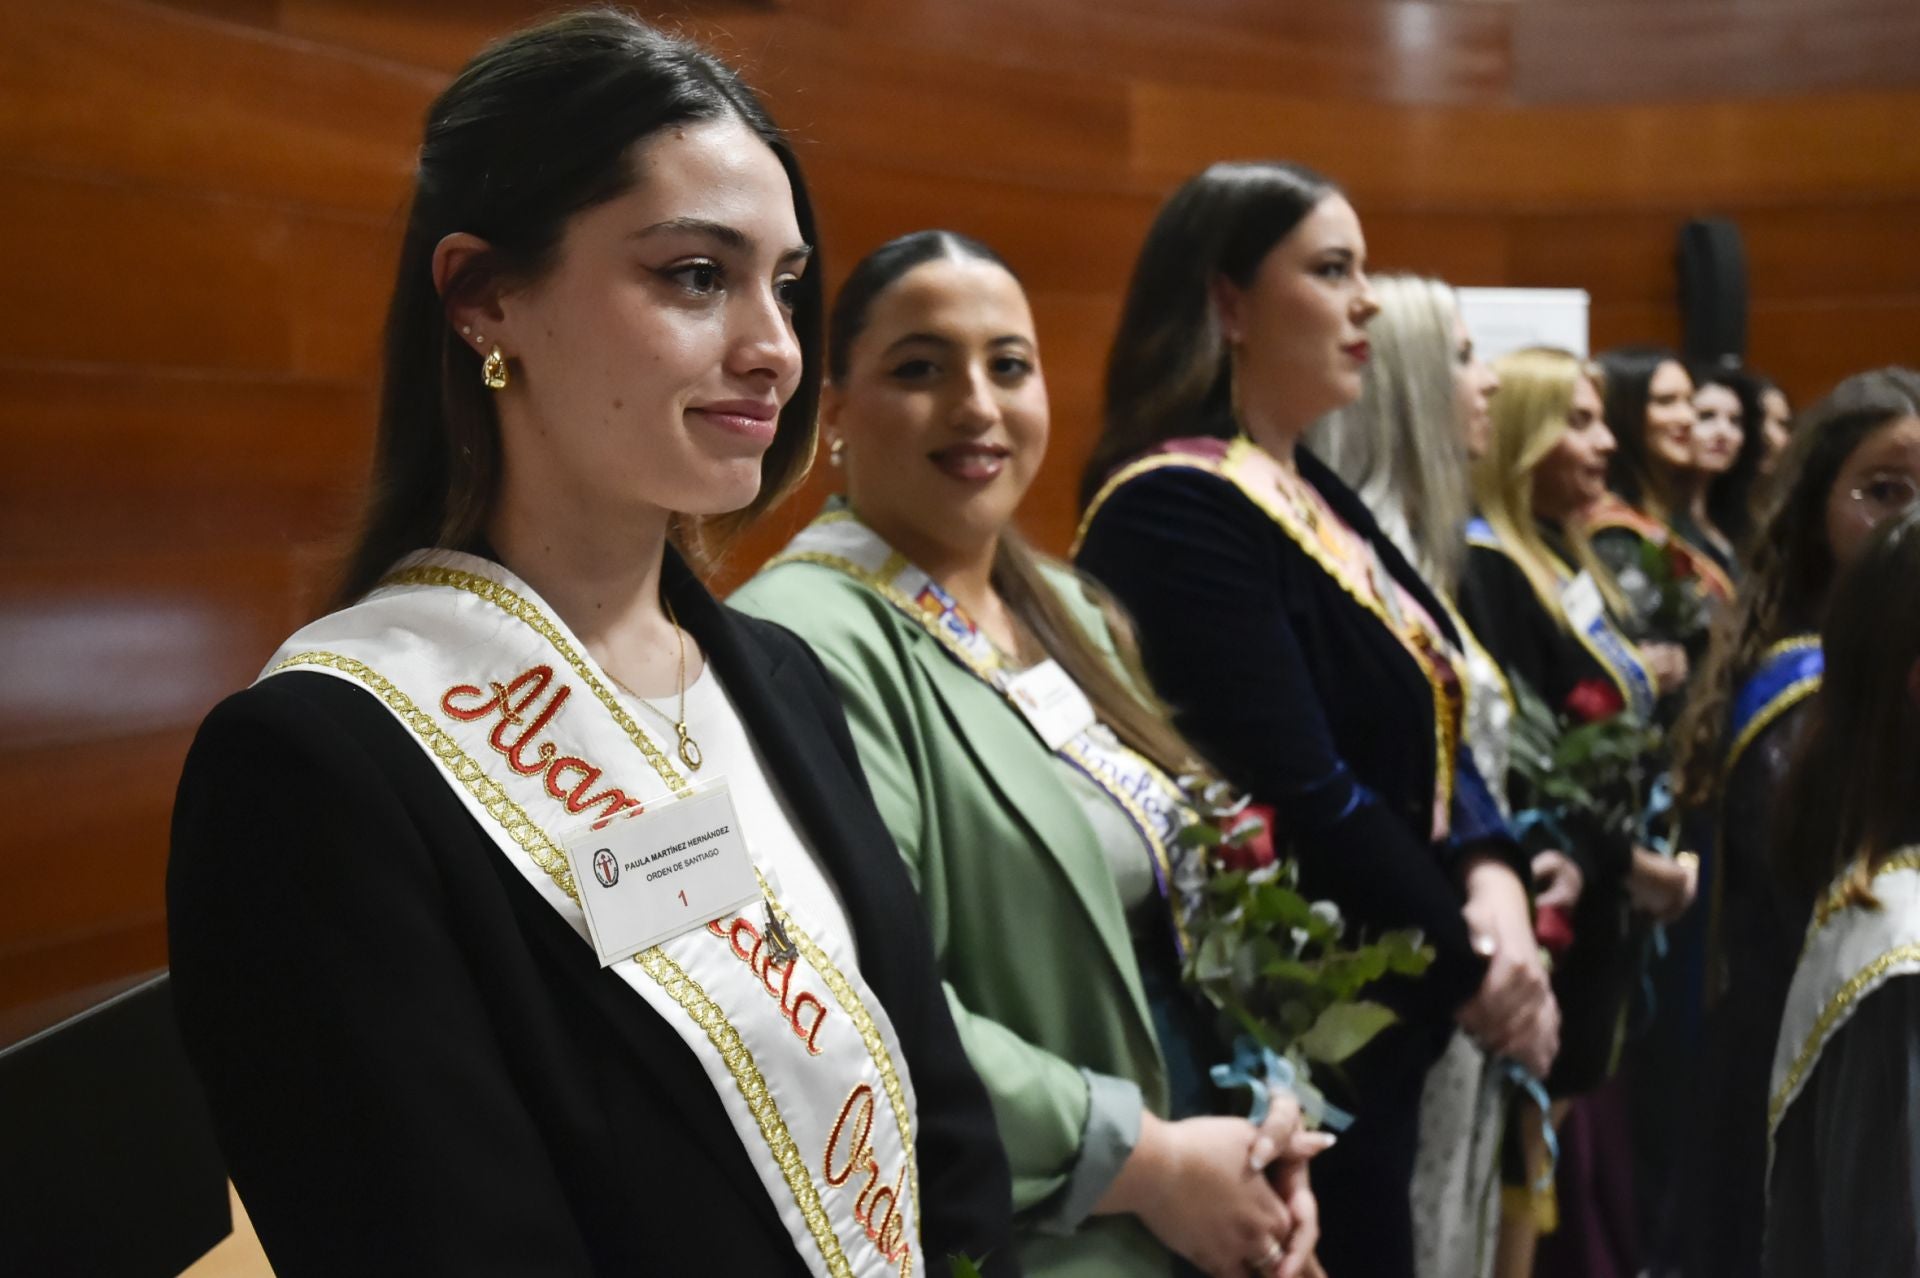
(606, 867)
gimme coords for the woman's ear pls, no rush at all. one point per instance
(1229, 306)
(830, 403)
(468, 292)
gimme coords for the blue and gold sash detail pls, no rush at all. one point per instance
(1590, 624)
(1789, 673)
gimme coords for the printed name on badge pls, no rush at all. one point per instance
(1052, 702)
(648, 877)
(1581, 601)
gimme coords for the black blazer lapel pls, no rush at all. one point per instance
(782, 705)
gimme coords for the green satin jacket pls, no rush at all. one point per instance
(1028, 929)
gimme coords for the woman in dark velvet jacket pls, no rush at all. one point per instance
(416, 1059)
(1299, 649)
(1735, 743)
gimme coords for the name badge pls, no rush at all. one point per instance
(1052, 702)
(1582, 603)
(648, 877)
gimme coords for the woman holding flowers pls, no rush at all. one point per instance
(1032, 784)
(1304, 654)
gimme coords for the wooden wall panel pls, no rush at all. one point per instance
(200, 203)
(1594, 52)
(144, 92)
(1484, 158)
(198, 281)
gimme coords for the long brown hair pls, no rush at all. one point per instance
(1021, 575)
(1629, 372)
(1169, 372)
(536, 129)
(1853, 795)
(1789, 565)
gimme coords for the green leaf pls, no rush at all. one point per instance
(1203, 834)
(1344, 1029)
(962, 1267)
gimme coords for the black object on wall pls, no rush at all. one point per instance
(108, 1167)
(1711, 262)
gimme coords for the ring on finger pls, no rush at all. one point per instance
(1272, 1255)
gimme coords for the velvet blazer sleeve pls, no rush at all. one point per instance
(350, 1058)
(1214, 595)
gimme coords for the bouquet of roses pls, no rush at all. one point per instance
(1589, 759)
(1277, 965)
(1663, 585)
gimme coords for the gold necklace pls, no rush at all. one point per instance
(689, 748)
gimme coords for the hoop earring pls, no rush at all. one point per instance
(493, 373)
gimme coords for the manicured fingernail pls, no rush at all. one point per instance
(1483, 945)
(1263, 1152)
(1317, 1143)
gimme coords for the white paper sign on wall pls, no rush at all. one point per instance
(1509, 319)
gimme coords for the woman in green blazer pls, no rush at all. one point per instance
(1029, 784)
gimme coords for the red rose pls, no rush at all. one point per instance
(1680, 561)
(1553, 929)
(1247, 841)
(1593, 700)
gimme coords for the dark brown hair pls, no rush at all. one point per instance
(1627, 393)
(1021, 574)
(1169, 372)
(536, 129)
(1789, 565)
(1853, 796)
(1730, 495)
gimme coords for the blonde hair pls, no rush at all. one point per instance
(1402, 445)
(1530, 414)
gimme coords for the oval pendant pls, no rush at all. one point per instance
(689, 752)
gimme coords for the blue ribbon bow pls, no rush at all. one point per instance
(1260, 1070)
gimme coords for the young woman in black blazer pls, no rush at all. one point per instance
(429, 1043)
(1302, 653)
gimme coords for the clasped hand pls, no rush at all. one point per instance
(1228, 1196)
(1514, 1013)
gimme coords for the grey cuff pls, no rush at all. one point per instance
(1113, 1129)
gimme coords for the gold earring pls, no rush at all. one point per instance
(836, 451)
(493, 373)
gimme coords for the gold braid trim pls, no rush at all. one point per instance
(1836, 898)
(1784, 700)
(686, 990)
(683, 989)
(524, 610)
(1446, 729)
(485, 790)
(843, 994)
(707, 1014)
(1830, 1017)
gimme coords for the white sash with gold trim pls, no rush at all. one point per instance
(1152, 801)
(525, 728)
(1850, 952)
